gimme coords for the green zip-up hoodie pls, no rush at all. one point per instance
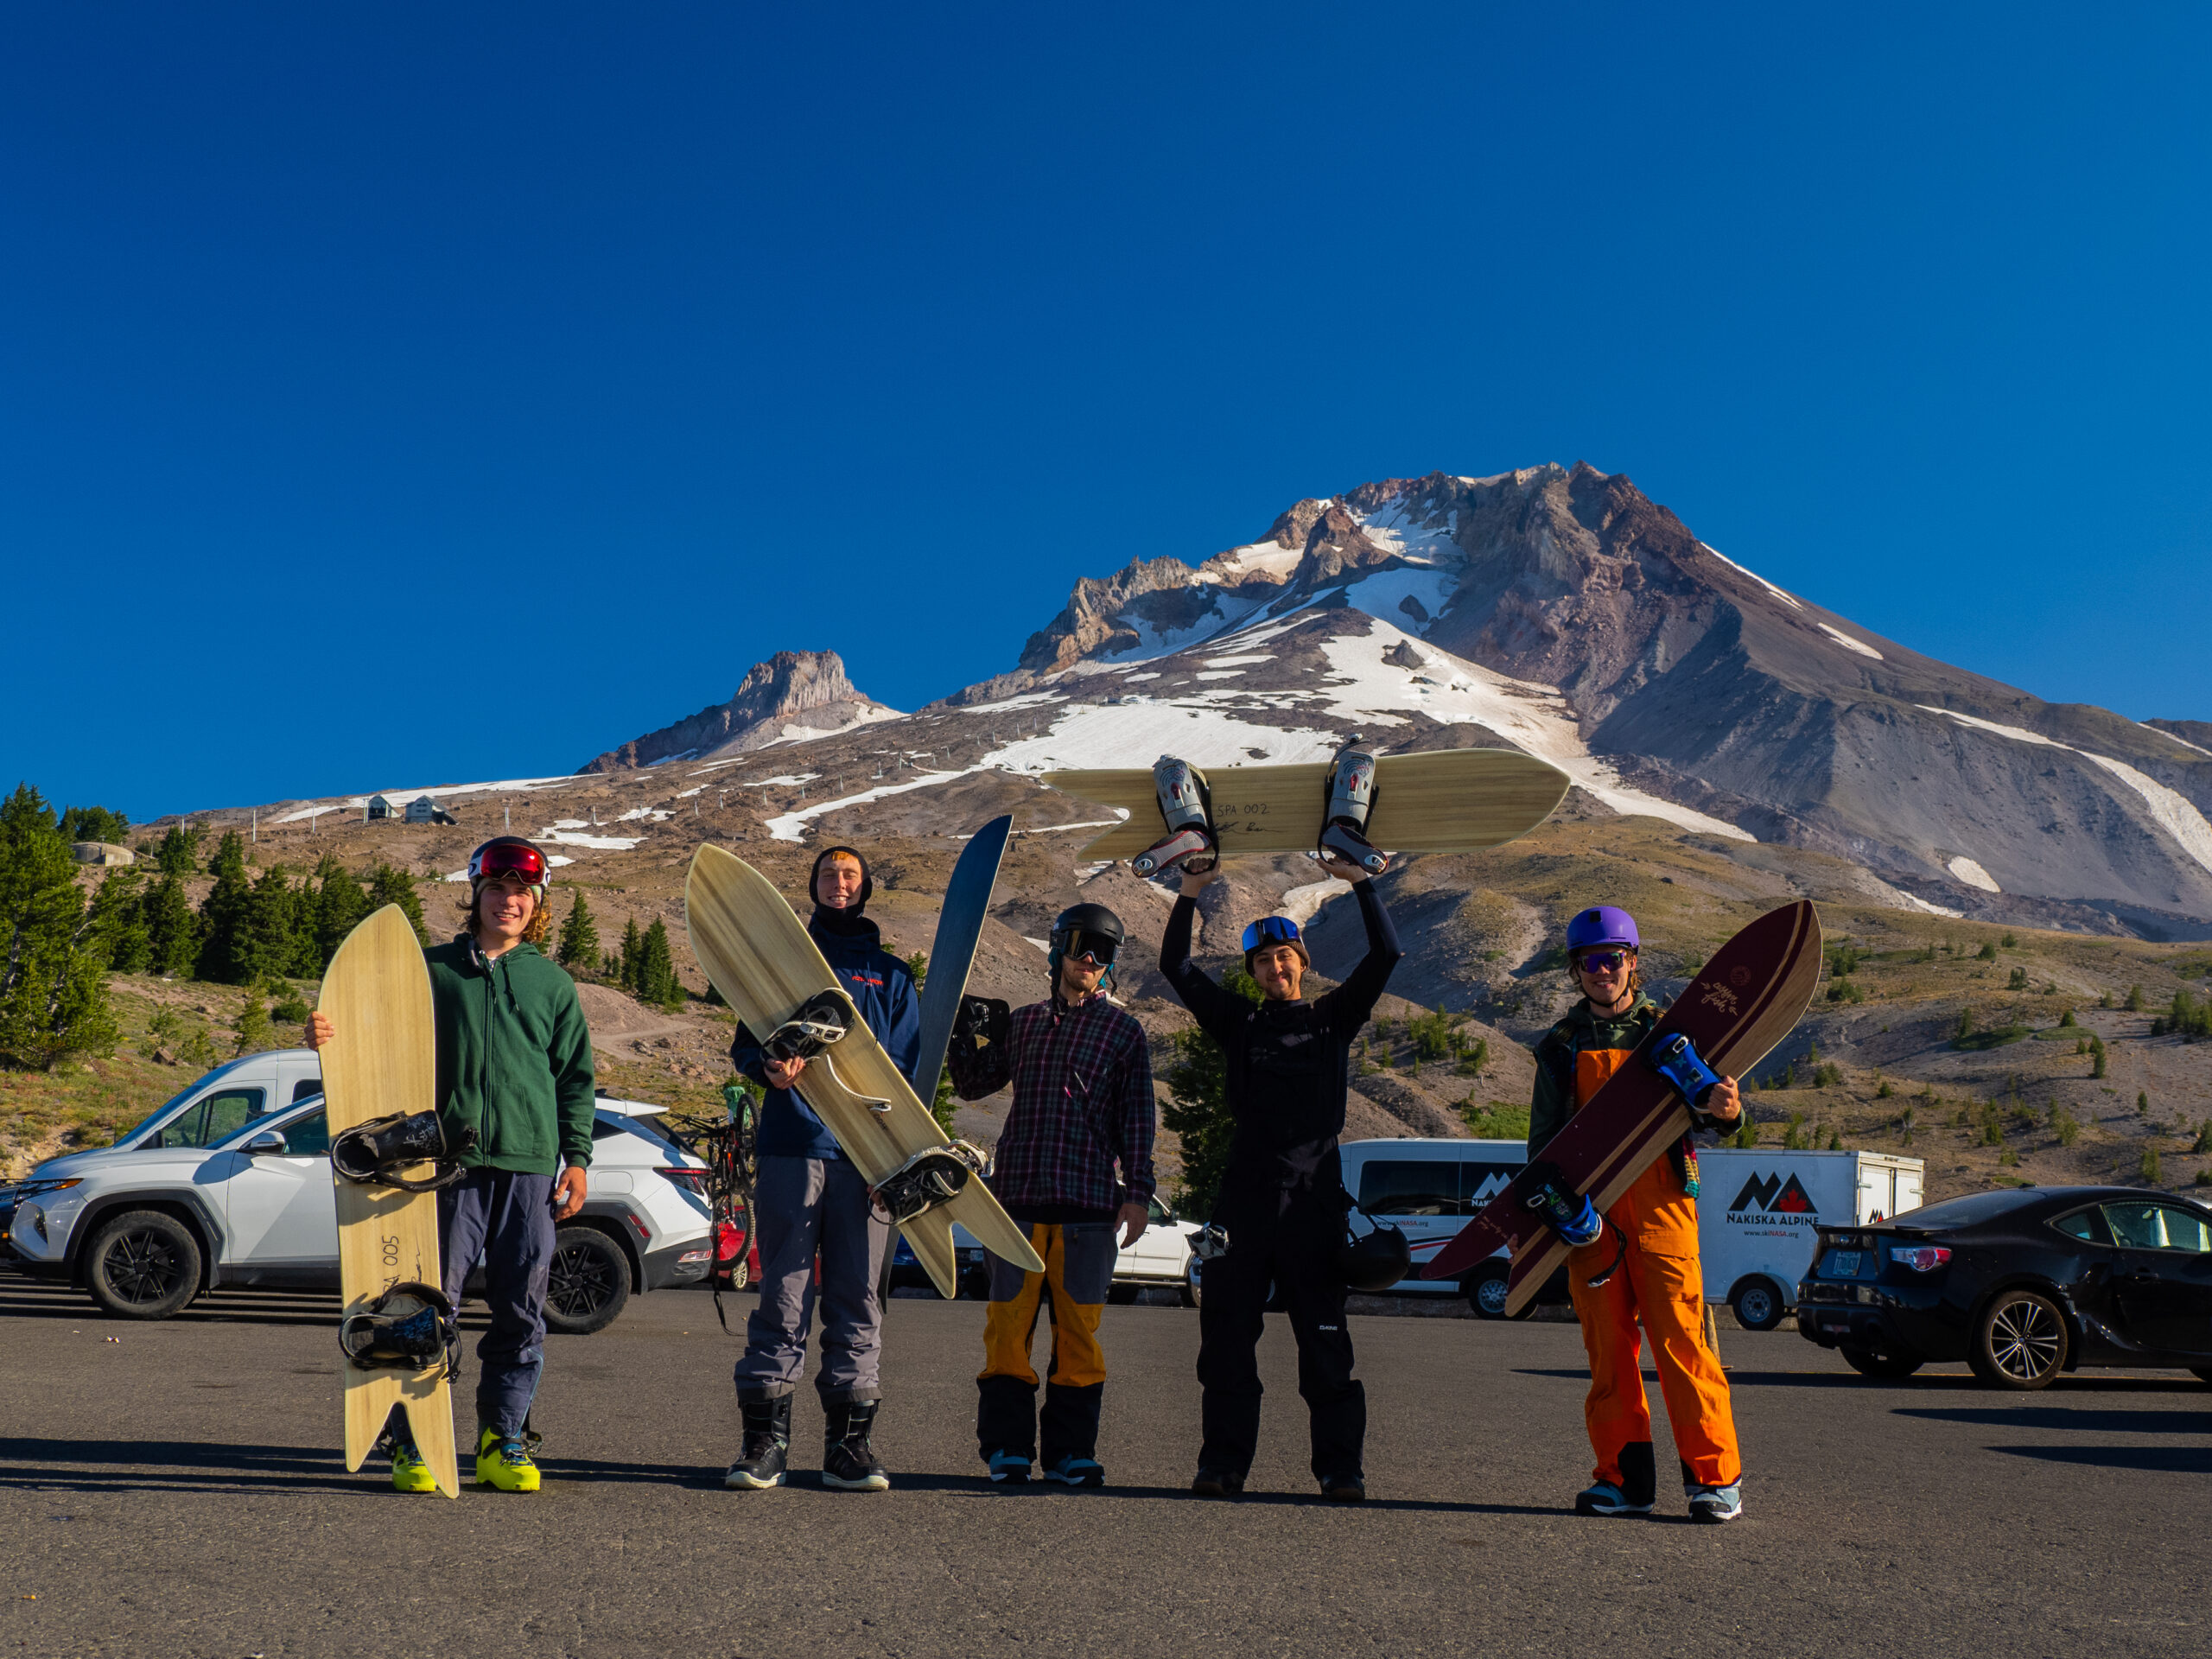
(514, 1058)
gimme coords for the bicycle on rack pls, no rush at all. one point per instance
(728, 1145)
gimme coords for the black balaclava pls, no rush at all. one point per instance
(839, 921)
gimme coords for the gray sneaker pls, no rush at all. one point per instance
(1714, 1504)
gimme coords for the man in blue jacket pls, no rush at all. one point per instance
(807, 1197)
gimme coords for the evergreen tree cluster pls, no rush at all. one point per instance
(53, 998)
(646, 967)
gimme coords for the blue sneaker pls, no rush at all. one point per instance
(1606, 1498)
(1071, 1470)
(1009, 1468)
(1714, 1504)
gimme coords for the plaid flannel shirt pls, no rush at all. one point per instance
(1083, 1102)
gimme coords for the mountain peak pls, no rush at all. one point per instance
(795, 694)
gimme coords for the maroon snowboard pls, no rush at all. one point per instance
(1740, 1005)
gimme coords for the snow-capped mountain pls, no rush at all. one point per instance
(1562, 612)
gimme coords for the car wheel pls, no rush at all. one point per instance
(1757, 1305)
(1193, 1296)
(2019, 1342)
(1122, 1295)
(1868, 1361)
(589, 1282)
(1485, 1292)
(143, 1265)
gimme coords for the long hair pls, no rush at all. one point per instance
(541, 919)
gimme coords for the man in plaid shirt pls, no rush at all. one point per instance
(1082, 1076)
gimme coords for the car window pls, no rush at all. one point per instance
(205, 1121)
(2084, 1224)
(1407, 1187)
(308, 1136)
(2145, 1226)
(305, 1087)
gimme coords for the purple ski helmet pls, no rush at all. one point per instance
(1601, 924)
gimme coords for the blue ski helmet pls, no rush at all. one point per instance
(1271, 931)
(1601, 924)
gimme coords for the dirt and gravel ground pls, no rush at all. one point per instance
(176, 1490)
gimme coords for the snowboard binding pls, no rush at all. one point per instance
(1211, 1243)
(373, 1153)
(1351, 799)
(1676, 1058)
(1559, 1207)
(411, 1328)
(1187, 808)
(931, 1177)
(823, 1019)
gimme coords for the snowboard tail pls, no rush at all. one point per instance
(952, 952)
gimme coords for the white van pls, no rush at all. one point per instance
(1760, 1212)
(208, 1109)
(1429, 1188)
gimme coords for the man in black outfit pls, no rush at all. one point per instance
(1282, 1200)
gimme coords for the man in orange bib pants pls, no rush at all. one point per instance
(1645, 1253)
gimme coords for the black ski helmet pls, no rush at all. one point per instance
(1092, 923)
(1376, 1260)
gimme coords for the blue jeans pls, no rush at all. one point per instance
(508, 1216)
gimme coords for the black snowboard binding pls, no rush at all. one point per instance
(1351, 798)
(409, 1328)
(1211, 1243)
(823, 1019)
(935, 1176)
(1187, 808)
(373, 1153)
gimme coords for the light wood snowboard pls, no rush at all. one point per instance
(1441, 800)
(761, 960)
(383, 1059)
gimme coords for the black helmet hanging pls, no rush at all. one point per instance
(1085, 930)
(1375, 1260)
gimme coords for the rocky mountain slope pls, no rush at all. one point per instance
(792, 696)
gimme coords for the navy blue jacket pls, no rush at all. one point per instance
(883, 990)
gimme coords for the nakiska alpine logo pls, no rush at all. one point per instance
(1774, 1195)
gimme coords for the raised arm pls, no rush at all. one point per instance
(1350, 1003)
(1218, 1010)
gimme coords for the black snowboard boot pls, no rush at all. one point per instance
(767, 1438)
(849, 1462)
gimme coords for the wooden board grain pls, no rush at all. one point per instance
(383, 1059)
(1440, 800)
(760, 957)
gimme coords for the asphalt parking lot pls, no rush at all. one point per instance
(178, 1489)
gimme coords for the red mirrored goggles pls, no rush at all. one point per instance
(522, 861)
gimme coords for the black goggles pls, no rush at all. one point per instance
(1094, 948)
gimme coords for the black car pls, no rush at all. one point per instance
(2022, 1284)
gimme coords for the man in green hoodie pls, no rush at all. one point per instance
(514, 1065)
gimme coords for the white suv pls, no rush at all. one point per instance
(1162, 1256)
(145, 1227)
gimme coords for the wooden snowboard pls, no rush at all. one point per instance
(1741, 1004)
(383, 1059)
(1441, 800)
(760, 959)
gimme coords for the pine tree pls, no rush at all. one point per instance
(223, 915)
(579, 938)
(391, 886)
(95, 823)
(52, 989)
(119, 920)
(657, 980)
(265, 942)
(251, 1025)
(178, 853)
(632, 954)
(1198, 1106)
(340, 904)
(172, 930)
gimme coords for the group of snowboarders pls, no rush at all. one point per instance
(1073, 1167)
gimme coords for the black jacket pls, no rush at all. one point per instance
(1288, 1064)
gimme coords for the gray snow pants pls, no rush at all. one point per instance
(509, 1216)
(801, 1205)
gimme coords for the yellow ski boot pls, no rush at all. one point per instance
(504, 1463)
(409, 1473)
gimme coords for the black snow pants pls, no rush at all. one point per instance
(1295, 1251)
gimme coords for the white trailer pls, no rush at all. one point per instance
(1760, 1212)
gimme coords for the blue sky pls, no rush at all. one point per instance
(406, 393)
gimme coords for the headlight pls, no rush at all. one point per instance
(40, 1189)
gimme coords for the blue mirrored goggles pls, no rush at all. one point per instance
(1270, 929)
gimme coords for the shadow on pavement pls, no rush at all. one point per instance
(1926, 1383)
(176, 1465)
(25, 1298)
(2181, 1460)
(2085, 1417)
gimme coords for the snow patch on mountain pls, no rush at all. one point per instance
(1971, 873)
(2172, 812)
(1753, 575)
(1137, 732)
(791, 826)
(1850, 643)
(439, 792)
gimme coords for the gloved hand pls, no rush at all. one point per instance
(1567, 1212)
(981, 1019)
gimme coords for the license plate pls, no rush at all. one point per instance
(1843, 1264)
